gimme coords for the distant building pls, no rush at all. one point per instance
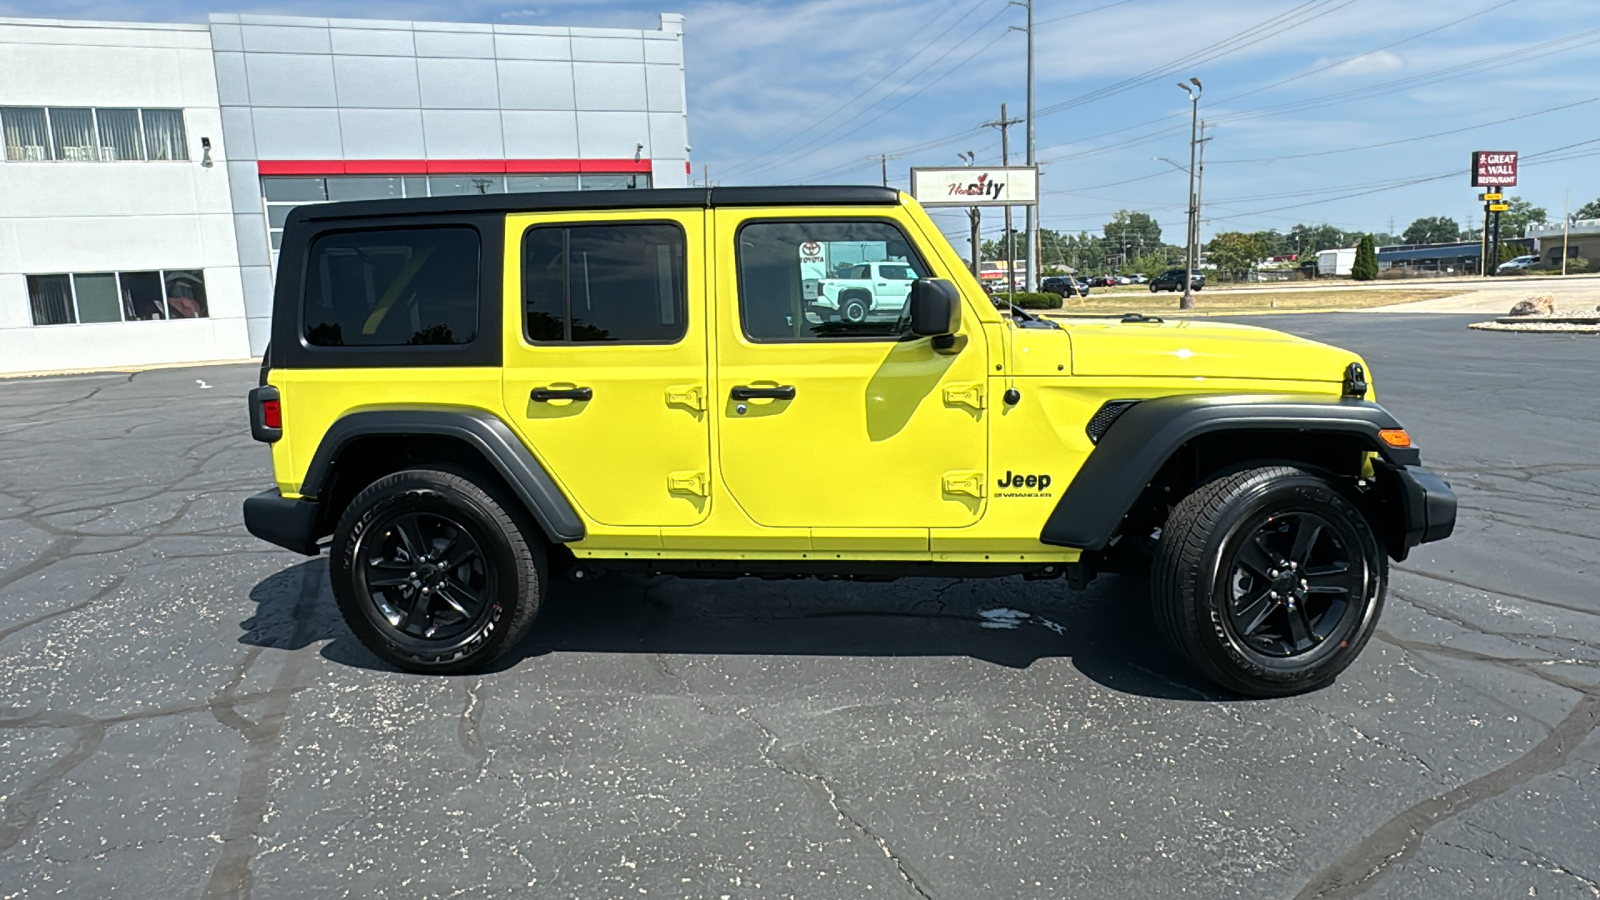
(1582, 241)
(148, 168)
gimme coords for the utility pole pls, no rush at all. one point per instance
(884, 159)
(1566, 227)
(1028, 223)
(976, 216)
(1199, 191)
(1194, 212)
(1004, 124)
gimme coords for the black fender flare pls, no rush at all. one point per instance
(1141, 440)
(479, 429)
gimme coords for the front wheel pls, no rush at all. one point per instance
(1153, 288)
(434, 572)
(1269, 581)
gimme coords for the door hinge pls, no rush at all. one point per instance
(969, 483)
(689, 395)
(695, 483)
(969, 394)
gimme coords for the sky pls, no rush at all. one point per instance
(1357, 113)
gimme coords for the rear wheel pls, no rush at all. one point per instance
(1268, 581)
(854, 308)
(434, 572)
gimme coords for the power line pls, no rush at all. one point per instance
(1424, 137)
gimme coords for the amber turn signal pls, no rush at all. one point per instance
(1395, 437)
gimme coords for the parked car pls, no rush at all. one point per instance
(1103, 281)
(857, 289)
(1172, 280)
(1064, 286)
(1138, 278)
(1518, 266)
(1123, 279)
(463, 440)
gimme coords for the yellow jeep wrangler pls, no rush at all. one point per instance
(465, 394)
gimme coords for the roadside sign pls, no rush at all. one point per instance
(1490, 198)
(1494, 168)
(1499, 207)
(974, 186)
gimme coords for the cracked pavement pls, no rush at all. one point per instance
(184, 714)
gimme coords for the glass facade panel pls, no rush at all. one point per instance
(300, 190)
(97, 298)
(119, 134)
(73, 133)
(456, 185)
(50, 297)
(615, 182)
(362, 187)
(27, 135)
(524, 184)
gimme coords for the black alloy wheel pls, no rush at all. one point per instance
(853, 310)
(1292, 585)
(437, 570)
(1269, 581)
(425, 575)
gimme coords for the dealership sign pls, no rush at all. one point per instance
(1494, 168)
(974, 186)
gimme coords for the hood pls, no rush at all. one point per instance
(1177, 348)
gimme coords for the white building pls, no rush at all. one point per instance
(147, 168)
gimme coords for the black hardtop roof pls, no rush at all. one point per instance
(645, 198)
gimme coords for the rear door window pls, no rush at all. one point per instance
(393, 288)
(604, 283)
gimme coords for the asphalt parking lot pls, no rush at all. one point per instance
(183, 714)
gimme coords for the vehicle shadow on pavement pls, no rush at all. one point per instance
(1104, 631)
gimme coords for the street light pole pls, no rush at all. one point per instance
(975, 215)
(1194, 137)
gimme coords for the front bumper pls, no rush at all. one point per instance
(291, 524)
(1429, 506)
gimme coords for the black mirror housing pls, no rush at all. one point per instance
(935, 307)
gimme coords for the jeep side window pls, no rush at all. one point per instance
(786, 293)
(392, 287)
(610, 283)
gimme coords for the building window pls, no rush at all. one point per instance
(120, 135)
(604, 283)
(164, 137)
(27, 133)
(82, 134)
(51, 298)
(96, 297)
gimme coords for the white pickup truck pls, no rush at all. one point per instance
(861, 288)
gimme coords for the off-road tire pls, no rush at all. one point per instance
(510, 548)
(1195, 567)
(845, 304)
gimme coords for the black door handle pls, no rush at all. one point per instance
(544, 395)
(745, 392)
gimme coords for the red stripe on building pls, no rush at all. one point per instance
(449, 166)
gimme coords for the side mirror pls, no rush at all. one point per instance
(935, 307)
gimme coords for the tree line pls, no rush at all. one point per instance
(1131, 241)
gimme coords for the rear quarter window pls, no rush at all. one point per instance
(393, 288)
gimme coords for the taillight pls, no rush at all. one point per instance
(266, 414)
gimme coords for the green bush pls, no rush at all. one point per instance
(1030, 301)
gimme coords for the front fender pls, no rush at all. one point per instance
(1141, 440)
